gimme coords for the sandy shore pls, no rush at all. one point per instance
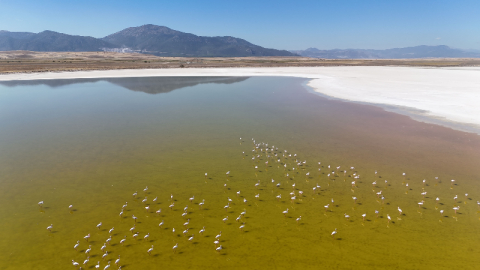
(445, 96)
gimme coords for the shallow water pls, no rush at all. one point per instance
(93, 143)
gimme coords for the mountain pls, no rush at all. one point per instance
(149, 85)
(151, 39)
(423, 51)
(161, 40)
(49, 41)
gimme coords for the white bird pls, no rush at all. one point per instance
(186, 223)
(238, 193)
(86, 237)
(146, 236)
(244, 200)
(158, 211)
(70, 207)
(132, 228)
(108, 240)
(218, 235)
(108, 266)
(86, 260)
(333, 233)
(76, 245)
(105, 255)
(117, 260)
(191, 238)
(134, 218)
(123, 240)
(346, 216)
(161, 224)
(150, 250)
(76, 264)
(191, 199)
(225, 219)
(103, 247)
(145, 189)
(218, 249)
(125, 205)
(49, 228)
(97, 265)
(175, 247)
(88, 249)
(202, 230)
(299, 218)
(40, 203)
(99, 225)
(155, 199)
(111, 230)
(171, 205)
(285, 212)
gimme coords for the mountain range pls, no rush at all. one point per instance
(423, 51)
(151, 39)
(163, 41)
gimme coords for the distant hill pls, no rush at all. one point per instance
(49, 41)
(161, 40)
(151, 39)
(423, 51)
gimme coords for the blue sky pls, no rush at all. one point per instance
(273, 24)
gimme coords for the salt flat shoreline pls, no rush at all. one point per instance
(444, 96)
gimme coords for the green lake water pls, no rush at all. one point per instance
(93, 143)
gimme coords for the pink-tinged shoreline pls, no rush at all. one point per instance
(445, 96)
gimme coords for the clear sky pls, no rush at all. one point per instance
(277, 24)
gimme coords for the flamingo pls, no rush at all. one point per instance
(150, 250)
(97, 265)
(298, 219)
(76, 245)
(175, 248)
(133, 228)
(108, 266)
(218, 249)
(111, 230)
(225, 219)
(161, 224)
(242, 226)
(103, 247)
(346, 216)
(134, 218)
(86, 237)
(389, 218)
(218, 235)
(146, 236)
(123, 240)
(117, 261)
(333, 233)
(202, 230)
(191, 238)
(456, 208)
(49, 228)
(285, 213)
(88, 249)
(191, 199)
(76, 264)
(326, 207)
(86, 260)
(363, 216)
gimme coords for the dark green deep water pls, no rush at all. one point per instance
(93, 143)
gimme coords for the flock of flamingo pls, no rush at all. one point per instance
(263, 157)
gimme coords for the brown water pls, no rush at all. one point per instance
(93, 143)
